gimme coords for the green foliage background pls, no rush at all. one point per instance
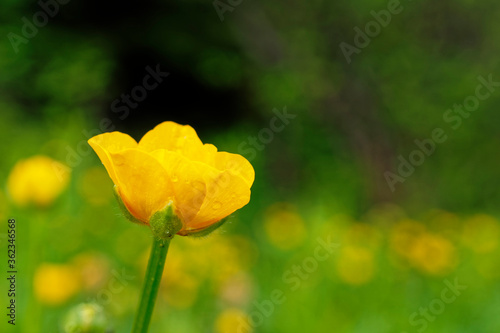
(352, 122)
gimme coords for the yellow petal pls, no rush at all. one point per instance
(187, 179)
(203, 194)
(142, 182)
(225, 193)
(210, 148)
(170, 136)
(178, 138)
(108, 143)
(236, 164)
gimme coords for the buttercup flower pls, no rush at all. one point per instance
(54, 284)
(171, 169)
(37, 180)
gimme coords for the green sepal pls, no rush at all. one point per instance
(165, 223)
(124, 209)
(204, 231)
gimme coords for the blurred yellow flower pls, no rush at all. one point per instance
(230, 320)
(170, 164)
(355, 265)
(284, 227)
(403, 236)
(433, 254)
(481, 233)
(54, 284)
(37, 180)
(427, 252)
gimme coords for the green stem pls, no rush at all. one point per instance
(151, 284)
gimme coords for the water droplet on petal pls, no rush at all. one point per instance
(174, 178)
(199, 185)
(217, 205)
(119, 160)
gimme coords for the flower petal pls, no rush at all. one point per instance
(236, 164)
(171, 136)
(113, 142)
(225, 193)
(178, 138)
(187, 179)
(143, 183)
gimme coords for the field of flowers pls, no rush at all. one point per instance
(275, 266)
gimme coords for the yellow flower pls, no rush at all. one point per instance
(404, 235)
(356, 265)
(37, 180)
(433, 254)
(428, 252)
(54, 284)
(170, 165)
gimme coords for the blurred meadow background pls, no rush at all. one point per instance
(372, 127)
